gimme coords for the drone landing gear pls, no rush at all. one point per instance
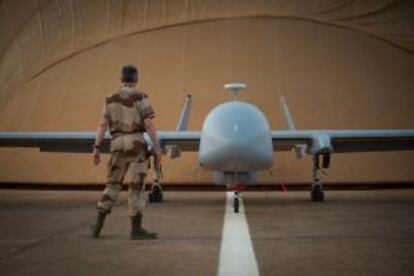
(237, 197)
(155, 194)
(236, 201)
(317, 193)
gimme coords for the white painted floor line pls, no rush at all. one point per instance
(236, 252)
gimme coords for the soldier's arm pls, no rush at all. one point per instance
(152, 132)
(102, 127)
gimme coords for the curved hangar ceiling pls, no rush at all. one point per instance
(36, 35)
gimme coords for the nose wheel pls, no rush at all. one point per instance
(237, 189)
(236, 202)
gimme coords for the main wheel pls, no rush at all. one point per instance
(236, 204)
(317, 193)
(155, 194)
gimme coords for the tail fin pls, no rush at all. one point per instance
(185, 114)
(299, 149)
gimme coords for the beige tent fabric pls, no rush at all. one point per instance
(50, 32)
(340, 64)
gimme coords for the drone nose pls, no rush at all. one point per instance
(235, 137)
(238, 149)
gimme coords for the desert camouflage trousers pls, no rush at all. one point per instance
(119, 166)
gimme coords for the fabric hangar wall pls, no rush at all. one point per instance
(339, 65)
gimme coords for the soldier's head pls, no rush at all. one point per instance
(129, 74)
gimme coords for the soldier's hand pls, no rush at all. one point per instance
(96, 156)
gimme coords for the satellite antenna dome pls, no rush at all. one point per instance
(234, 88)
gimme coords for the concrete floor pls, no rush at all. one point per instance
(352, 233)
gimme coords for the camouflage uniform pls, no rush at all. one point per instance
(125, 112)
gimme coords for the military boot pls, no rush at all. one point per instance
(139, 233)
(97, 226)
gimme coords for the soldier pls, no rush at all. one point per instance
(127, 114)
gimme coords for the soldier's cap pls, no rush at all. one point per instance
(129, 73)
